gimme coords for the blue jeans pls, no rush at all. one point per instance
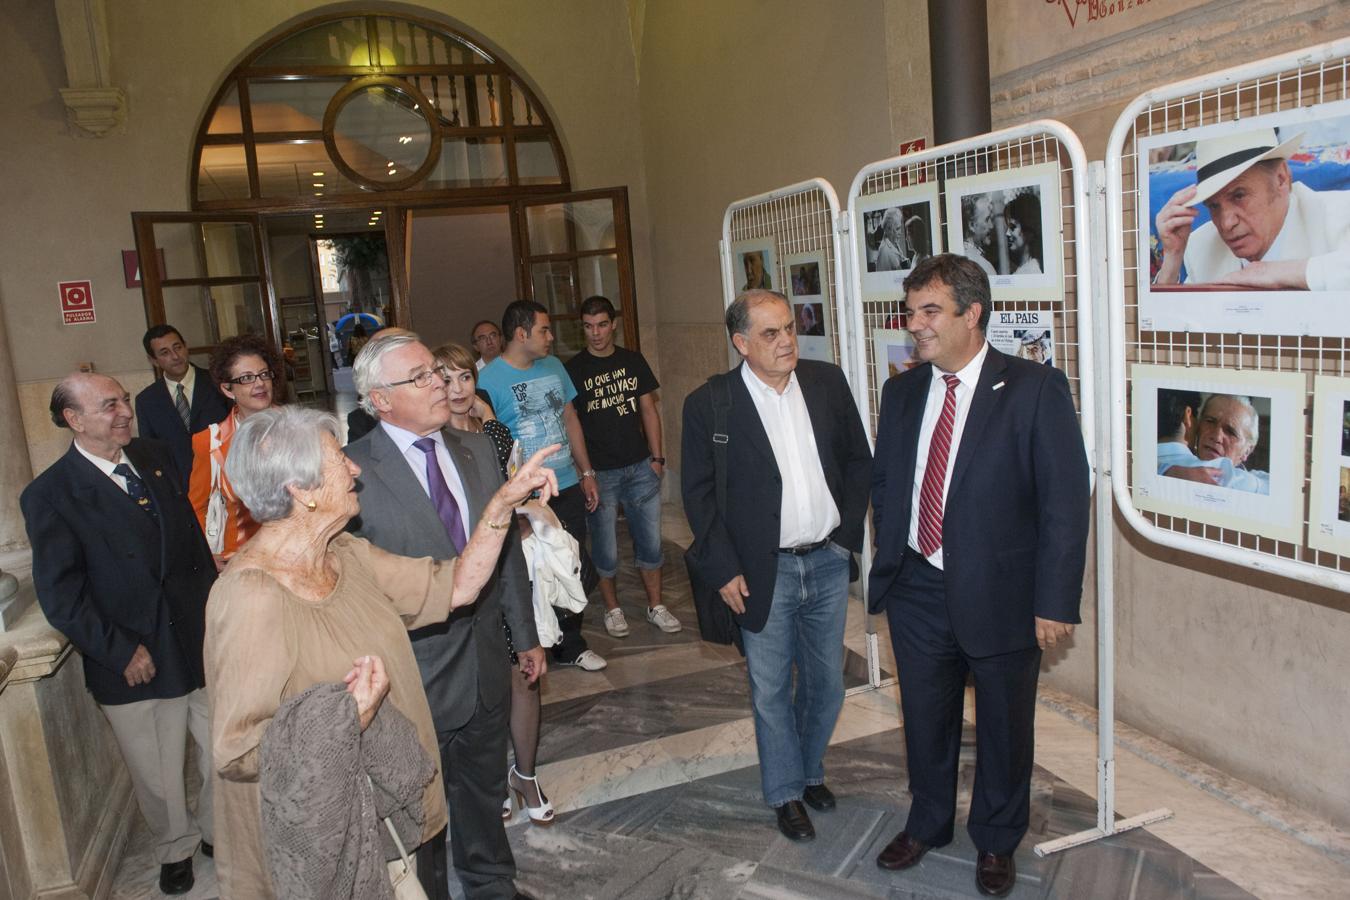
(638, 489)
(805, 629)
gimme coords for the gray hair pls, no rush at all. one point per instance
(273, 450)
(368, 367)
(892, 218)
(738, 313)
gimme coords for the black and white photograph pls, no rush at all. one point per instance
(808, 290)
(1009, 224)
(892, 353)
(753, 266)
(1329, 486)
(1219, 446)
(1245, 225)
(895, 231)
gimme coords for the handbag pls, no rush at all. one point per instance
(715, 621)
(216, 513)
(402, 871)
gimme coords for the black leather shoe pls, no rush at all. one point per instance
(994, 875)
(208, 851)
(818, 796)
(902, 852)
(794, 822)
(176, 877)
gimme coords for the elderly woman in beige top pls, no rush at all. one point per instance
(303, 603)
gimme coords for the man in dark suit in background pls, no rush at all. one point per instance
(121, 569)
(422, 489)
(980, 510)
(180, 404)
(797, 465)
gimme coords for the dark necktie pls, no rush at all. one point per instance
(441, 498)
(935, 473)
(136, 489)
(184, 411)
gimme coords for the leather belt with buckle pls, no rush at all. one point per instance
(803, 549)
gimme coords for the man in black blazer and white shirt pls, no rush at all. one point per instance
(980, 510)
(122, 569)
(797, 468)
(463, 661)
(180, 404)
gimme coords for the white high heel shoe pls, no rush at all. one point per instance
(516, 782)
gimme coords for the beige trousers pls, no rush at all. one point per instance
(153, 737)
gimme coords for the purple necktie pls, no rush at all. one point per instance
(441, 498)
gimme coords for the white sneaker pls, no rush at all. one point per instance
(615, 623)
(662, 618)
(590, 661)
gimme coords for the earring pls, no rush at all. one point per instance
(311, 505)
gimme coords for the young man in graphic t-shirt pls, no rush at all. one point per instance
(532, 395)
(616, 403)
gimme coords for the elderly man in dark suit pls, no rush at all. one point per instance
(182, 402)
(422, 489)
(781, 541)
(122, 569)
(980, 510)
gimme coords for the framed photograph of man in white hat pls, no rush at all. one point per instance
(1244, 226)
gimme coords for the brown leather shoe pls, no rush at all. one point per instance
(902, 852)
(994, 875)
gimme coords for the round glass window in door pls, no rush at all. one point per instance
(382, 133)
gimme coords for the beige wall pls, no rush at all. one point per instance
(461, 270)
(741, 98)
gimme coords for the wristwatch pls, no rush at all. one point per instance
(659, 459)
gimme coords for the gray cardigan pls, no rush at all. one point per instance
(324, 786)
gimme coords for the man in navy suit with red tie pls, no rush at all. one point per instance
(980, 510)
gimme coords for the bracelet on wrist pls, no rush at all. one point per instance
(499, 525)
(589, 473)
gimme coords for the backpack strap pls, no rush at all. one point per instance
(720, 385)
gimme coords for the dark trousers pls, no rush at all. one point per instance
(570, 507)
(473, 764)
(932, 673)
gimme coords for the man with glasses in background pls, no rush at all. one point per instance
(422, 489)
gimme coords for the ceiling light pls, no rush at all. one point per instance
(318, 193)
(319, 225)
(393, 171)
(317, 174)
(404, 139)
(318, 184)
(377, 212)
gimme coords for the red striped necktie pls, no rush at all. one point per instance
(935, 473)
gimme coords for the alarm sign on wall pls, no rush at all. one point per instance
(77, 302)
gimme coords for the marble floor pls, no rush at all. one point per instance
(651, 764)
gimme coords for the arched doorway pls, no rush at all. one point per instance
(319, 169)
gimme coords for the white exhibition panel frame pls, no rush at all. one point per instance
(1044, 155)
(1285, 362)
(790, 230)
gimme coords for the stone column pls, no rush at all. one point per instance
(16, 470)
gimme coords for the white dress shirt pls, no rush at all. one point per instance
(809, 514)
(404, 439)
(106, 466)
(932, 411)
(189, 382)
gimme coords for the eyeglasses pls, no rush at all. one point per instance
(425, 379)
(250, 377)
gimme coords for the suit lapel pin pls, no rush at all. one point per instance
(999, 385)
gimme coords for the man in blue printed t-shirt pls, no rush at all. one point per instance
(532, 395)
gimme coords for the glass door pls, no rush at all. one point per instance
(206, 274)
(575, 246)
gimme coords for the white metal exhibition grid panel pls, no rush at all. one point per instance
(798, 222)
(1227, 100)
(1002, 156)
